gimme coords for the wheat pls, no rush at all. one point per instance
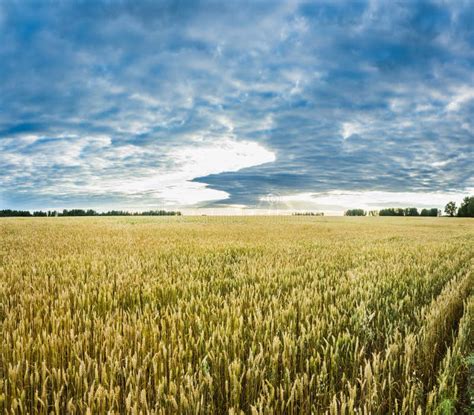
(235, 315)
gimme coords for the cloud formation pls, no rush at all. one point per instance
(200, 103)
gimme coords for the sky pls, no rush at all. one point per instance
(297, 105)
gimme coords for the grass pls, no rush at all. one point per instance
(270, 315)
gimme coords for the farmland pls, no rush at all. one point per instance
(266, 315)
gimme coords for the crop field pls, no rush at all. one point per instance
(229, 315)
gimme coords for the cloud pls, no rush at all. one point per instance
(336, 201)
(232, 101)
(462, 96)
(350, 128)
(80, 166)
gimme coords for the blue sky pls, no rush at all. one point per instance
(324, 105)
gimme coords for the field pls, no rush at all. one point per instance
(214, 315)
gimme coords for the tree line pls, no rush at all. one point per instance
(82, 212)
(465, 210)
(308, 214)
(411, 211)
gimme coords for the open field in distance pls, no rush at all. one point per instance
(272, 315)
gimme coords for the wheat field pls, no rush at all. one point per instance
(228, 315)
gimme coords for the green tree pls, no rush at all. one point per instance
(355, 212)
(467, 207)
(411, 212)
(450, 209)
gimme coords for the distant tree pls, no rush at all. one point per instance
(304, 214)
(430, 212)
(392, 212)
(450, 209)
(355, 212)
(79, 212)
(386, 212)
(116, 213)
(373, 213)
(160, 213)
(13, 213)
(88, 212)
(466, 209)
(40, 213)
(411, 211)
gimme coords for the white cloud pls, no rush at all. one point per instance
(185, 193)
(174, 184)
(100, 170)
(225, 156)
(350, 128)
(461, 96)
(64, 150)
(226, 122)
(399, 105)
(441, 163)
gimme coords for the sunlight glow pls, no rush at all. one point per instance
(337, 201)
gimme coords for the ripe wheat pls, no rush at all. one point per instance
(235, 315)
